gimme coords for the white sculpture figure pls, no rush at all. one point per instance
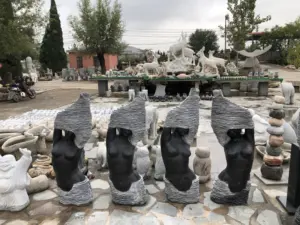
(288, 92)
(207, 62)
(152, 66)
(131, 94)
(221, 62)
(189, 54)
(160, 168)
(252, 61)
(101, 155)
(13, 181)
(179, 46)
(143, 162)
(31, 70)
(260, 129)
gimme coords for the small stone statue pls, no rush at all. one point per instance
(160, 168)
(143, 162)
(76, 122)
(182, 186)
(126, 129)
(288, 92)
(13, 181)
(202, 164)
(234, 129)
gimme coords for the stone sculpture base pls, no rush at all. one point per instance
(80, 194)
(222, 195)
(297, 217)
(136, 195)
(14, 201)
(188, 197)
(271, 172)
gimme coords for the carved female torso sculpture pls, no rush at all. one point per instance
(176, 153)
(120, 154)
(239, 156)
(65, 163)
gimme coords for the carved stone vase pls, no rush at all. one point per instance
(126, 129)
(13, 181)
(75, 121)
(182, 185)
(234, 128)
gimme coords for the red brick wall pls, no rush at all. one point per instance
(111, 61)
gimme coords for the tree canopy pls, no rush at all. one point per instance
(243, 21)
(207, 38)
(20, 22)
(99, 28)
(52, 52)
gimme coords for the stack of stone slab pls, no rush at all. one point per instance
(272, 166)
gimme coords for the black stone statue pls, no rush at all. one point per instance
(65, 163)
(120, 154)
(176, 152)
(67, 152)
(234, 129)
(239, 156)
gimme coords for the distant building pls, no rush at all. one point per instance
(79, 59)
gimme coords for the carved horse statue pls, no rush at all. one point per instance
(206, 61)
(220, 62)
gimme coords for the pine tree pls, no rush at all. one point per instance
(52, 52)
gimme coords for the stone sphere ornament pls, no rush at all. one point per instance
(13, 181)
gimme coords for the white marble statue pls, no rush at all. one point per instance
(13, 181)
(152, 66)
(288, 92)
(31, 69)
(143, 162)
(221, 62)
(207, 62)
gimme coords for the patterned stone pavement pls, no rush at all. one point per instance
(46, 210)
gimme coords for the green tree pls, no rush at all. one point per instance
(20, 22)
(293, 57)
(99, 29)
(207, 38)
(243, 21)
(52, 52)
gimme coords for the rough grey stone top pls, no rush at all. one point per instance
(77, 118)
(186, 115)
(226, 115)
(131, 117)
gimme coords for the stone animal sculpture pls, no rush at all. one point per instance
(76, 122)
(152, 66)
(13, 181)
(179, 130)
(143, 162)
(126, 129)
(207, 62)
(288, 92)
(221, 62)
(234, 129)
(179, 46)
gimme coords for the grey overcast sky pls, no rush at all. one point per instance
(156, 24)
